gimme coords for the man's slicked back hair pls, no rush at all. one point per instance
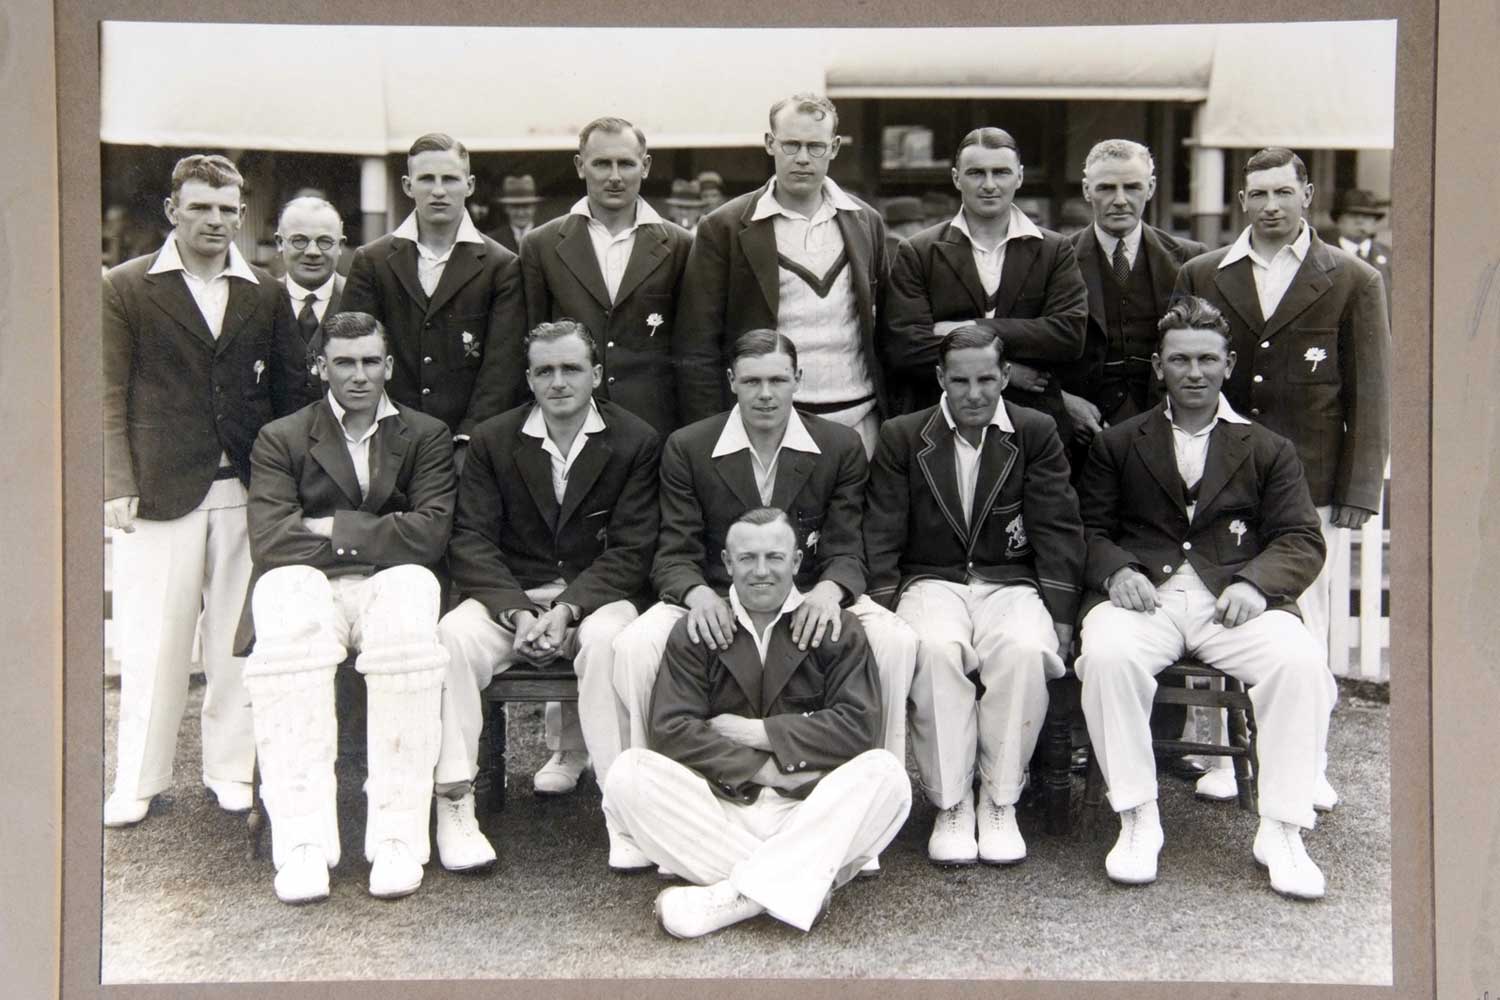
(208, 168)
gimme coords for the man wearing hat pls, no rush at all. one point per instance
(904, 218)
(686, 203)
(519, 199)
(711, 187)
(1358, 214)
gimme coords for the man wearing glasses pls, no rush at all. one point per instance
(310, 237)
(799, 256)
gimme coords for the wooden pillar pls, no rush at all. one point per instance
(1207, 188)
(374, 199)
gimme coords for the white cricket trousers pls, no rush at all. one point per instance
(639, 649)
(1273, 653)
(304, 625)
(1004, 633)
(166, 575)
(480, 647)
(783, 853)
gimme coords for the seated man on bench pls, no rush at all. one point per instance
(552, 542)
(351, 501)
(1201, 534)
(763, 783)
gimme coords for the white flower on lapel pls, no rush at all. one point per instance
(1237, 529)
(259, 369)
(471, 346)
(654, 321)
(812, 542)
(1017, 531)
(1315, 355)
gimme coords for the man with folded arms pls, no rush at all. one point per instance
(972, 534)
(763, 453)
(557, 520)
(762, 784)
(1201, 535)
(351, 501)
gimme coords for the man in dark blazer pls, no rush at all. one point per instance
(800, 256)
(762, 453)
(199, 352)
(616, 266)
(1129, 269)
(310, 239)
(351, 502)
(449, 298)
(762, 784)
(972, 535)
(1356, 217)
(1201, 535)
(1308, 323)
(992, 266)
(556, 525)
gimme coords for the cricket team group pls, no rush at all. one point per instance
(787, 491)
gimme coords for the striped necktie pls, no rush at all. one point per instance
(1121, 264)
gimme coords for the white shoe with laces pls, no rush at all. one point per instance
(1278, 846)
(304, 877)
(559, 775)
(395, 872)
(692, 911)
(1218, 785)
(1132, 861)
(953, 841)
(1000, 841)
(461, 845)
(627, 859)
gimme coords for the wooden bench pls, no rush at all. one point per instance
(520, 683)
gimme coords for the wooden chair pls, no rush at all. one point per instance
(520, 683)
(1223, 692)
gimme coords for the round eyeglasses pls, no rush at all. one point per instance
(300, 242)
(791, 147)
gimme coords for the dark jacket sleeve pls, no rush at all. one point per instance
(678, 567)
(1057, 335)
(1053, 526)
(886, 505)
(698, 333)
(848, 724)
(474, 557)
(1293, 550)
(622, 568)
(841, 544)
(418, 535)
(909, 344)
(119, 466)
(1099, 501)
(1365, 355)
(501, 376)
(678, 724)
(274, 508)
(290, 388)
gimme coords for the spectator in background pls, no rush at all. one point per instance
(310, 238)
(711, 187)
(518, 201)
(685, 203)
(1358, 215)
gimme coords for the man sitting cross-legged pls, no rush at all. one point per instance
(351, 500)
(552, 541)
(762, 783)
(1201, 535)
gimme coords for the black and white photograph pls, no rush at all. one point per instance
(776, 503)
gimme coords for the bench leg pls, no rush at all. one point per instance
(489, 784)
(1057, 756)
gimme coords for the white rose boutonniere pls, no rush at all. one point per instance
(654, 321)
(1315, 355)
(1237, 529)
(812, 542)
(471, 345)
(260, 369)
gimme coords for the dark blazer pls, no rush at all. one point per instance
(562, 278)
(175, 398)
(510, 533)
(1317, 371)
(1165, 255)
(1040, 317)
(1027, 514)
(1135, 511)
(303, 469)
(821, 705)
(506, 236)
(702, 496)
(732, 285)
(458, 356)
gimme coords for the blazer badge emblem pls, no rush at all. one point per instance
(1016, 529)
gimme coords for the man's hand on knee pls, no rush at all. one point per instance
(1240, 602)
(1131, 589)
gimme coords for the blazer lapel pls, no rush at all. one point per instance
(387, 455)
(646, 256)
(576, 250)
(739, 475)
(466, 261)
(758, 240)
(334, 298)
(743, 664)
(941, 473)
(1155, 448)
(995, 463)
(332, 454)
(1237, 284)
(1309, 285)
(958, 253)
(782, 659)
(1088, 265)
(792, 470)
(585, 472)
(858, 245)
(536, 472)
(170, 293)
(1020, 255)
(241, 307)
(403, 261)
(1228, 447)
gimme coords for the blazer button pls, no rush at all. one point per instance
(611, 380)
(426, 390)
(1255, 411)
(1186, 546)
(1258, 378)
(427, 360)
(1265, 343)
(610, 344)
(789, 767)
(339, 551)
(354, 552)
(803, 764)
(1166, 569)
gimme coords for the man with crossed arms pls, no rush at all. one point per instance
(763, 453)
